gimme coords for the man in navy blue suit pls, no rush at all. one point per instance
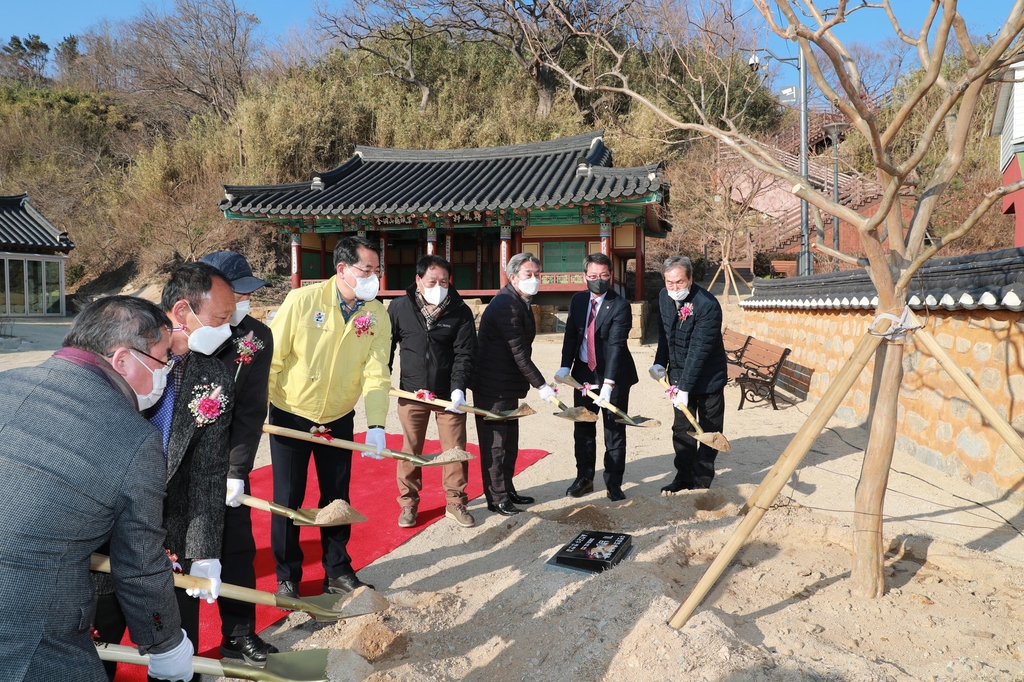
(594, 352)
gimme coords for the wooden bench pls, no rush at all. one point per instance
(754, 365)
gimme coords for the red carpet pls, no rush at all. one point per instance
(373, 492)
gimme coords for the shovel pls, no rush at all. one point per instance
(323, 607)
(292, 666)
(446, 457)
(334, 514)
(714, 439)
(573, 414)
(523, 410)
(624, 418)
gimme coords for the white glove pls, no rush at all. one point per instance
(562, 373)
(605, 397)
(681, 398)
(236, 488)
(375, 437)
(547, 392)
(657, 371)
(175, 664)
(209, 569)
(458, 398)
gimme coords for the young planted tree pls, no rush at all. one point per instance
(895, 248)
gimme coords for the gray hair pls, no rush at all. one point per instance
(516, 262)
(673, 262)
(116, 321)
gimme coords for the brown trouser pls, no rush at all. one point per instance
(451, 429)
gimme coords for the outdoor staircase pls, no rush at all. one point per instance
(782, 230)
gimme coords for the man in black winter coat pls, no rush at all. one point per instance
(690, 346)
(503, 372)
(437, 334)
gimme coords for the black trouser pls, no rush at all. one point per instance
(499, 448)
(238, 618)
(695, 466)
(110, 623)
(290, 460)
(585, 435)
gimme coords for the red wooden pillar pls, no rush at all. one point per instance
(480, 259)
(503, 253)
(296, 260)
(383, 259)
(640, 265)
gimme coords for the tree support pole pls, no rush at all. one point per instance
(787, 464)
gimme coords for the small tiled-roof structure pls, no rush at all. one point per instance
(24, 229)
(381, 181)
(993, 280)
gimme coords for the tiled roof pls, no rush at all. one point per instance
(378, 181)
(23, 228)
(993, 280)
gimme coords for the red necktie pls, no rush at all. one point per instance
(591, 344)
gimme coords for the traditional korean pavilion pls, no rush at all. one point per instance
(33, 252)
(560, 200)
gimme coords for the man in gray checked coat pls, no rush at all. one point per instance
(79, 466)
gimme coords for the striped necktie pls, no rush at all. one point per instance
(591, 344)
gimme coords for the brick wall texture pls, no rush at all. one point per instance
(937, 424)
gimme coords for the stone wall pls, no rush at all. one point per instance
(937, 425)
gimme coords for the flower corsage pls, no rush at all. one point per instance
(246, 347)
(685, 312)
(585, 387)
(364, 324)
(207, 404)
(321, 432)
(424, 394)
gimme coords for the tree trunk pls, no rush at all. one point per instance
(868, 554)
(545, 83)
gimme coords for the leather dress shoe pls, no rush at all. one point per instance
(344, 584)
(249, 648)
(505, 508)
(287, 588)
(516, 498)
(615, 493)
(675, 487)
(580, 487)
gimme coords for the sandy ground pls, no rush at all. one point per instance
(481, 604)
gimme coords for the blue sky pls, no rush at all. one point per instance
(55, 19)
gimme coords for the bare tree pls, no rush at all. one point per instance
(202, 54)
(946, 100)
(389, 30)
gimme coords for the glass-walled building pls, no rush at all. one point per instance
(32, 256)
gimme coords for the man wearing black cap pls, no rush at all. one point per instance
(247, 356)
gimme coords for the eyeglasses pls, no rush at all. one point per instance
(367, 271)
(168, 363)
(591, 278)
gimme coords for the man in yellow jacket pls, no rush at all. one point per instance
(332, 343)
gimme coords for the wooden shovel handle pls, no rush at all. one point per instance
(340, 443)
(128, 654)
(399, 393)
(272, 507)
(689, 415)
(101, 564)
(569, 381)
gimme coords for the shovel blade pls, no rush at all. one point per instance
(643, 422)
(523, 410)
(301, 666)
(577, 414)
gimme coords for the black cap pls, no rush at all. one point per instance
(236, 269)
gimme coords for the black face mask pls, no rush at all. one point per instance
(599, 286)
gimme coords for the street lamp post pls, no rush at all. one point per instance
(804, 263)
(834, 130)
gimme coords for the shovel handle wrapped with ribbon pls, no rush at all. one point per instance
(446, 457)
(715, 440)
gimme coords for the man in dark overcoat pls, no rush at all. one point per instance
(690, 346)
(80, 468)
(503, 372)
(594, 352)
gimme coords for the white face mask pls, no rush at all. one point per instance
(678, 294)
(530, 287)
(366, 288)
(159, 384)
(242, 309)
(206, 340)
(434, 295)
